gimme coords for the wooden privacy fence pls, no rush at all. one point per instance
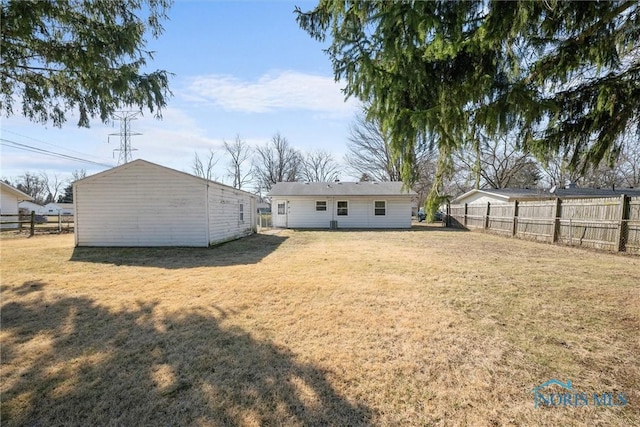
(611, 223)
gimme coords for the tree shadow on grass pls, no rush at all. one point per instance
(248, 250)
(74, 362)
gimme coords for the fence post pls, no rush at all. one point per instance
(622, 234)
(465, 215)
(32, 229)
(59, 222)
(557, 212)
(486, 217)
(515, 218)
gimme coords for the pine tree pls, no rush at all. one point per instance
(438, 72)
(68, 55)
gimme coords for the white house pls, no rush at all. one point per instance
(31, 207)
(58, 209)
(9, 199)
(144, 204)
(341, 205)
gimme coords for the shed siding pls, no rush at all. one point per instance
(9, 206)
(224, 214)
(141, 206)
(302, 212)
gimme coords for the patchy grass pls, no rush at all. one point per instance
(420, 327)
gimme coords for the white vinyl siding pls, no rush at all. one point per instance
(224, 221)
(142, 204)
(302, 213)
(9, 206)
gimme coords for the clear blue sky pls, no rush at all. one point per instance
(241, 68)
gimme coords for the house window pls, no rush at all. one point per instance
(321, 205)
(241, 212)
(379, 208)
(343, 208)
(280, 208)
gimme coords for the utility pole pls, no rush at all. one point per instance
(125, 118)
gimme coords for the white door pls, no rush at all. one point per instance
(279, 212)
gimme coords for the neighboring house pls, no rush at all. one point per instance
(340, 205)
(58, 208)
(31, 207)
(264, 208)
(144, 204)
(508, 195)
(9, 199)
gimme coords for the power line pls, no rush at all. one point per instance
(49, 144)
(30, 148)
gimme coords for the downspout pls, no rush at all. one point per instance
(333, 209)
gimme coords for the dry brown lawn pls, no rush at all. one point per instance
(419, 327)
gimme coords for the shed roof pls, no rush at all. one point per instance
(367, 188)
(13, 190)
(140, 162)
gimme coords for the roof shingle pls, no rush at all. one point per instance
(368, 188)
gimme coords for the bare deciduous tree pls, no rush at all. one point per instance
(67, 194)
(556, 170)
(33, 185)
(205, 169)
(240, 153)
(629, 161)
(496, 163)
(53, 184)
(78, 174)
(369, 153)
(277, 161)
(319, 166)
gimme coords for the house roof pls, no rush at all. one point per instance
(29, 203)
(511, 194)
(139, 162)
(13, 190)
(367, 188)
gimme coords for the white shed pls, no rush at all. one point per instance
(341, 205)
(9, 198)
(144, 204)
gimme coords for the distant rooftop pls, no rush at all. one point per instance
(565, 192)
(510, 194)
